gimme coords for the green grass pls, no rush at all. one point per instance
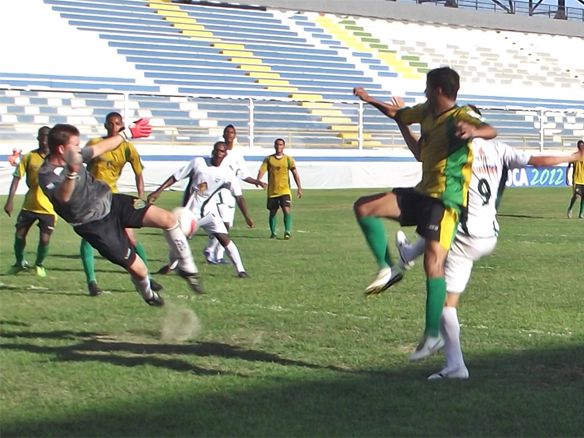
(297, 350)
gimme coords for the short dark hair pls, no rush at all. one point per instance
(41, 129)
(580, 144)
(113, 114)
(60, 135)
(446, 79)
(229, 126)
(279, 139)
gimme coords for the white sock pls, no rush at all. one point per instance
(233, 253)
(415, 249)
(219, 252)
(212, 246)
(450, 329)
(180, 249)
(143, 287)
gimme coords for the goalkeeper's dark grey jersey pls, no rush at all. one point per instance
(91, 199)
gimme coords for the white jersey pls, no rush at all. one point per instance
(207, 180)
(235, 163)
(491, 159)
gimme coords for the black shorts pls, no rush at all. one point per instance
(107, 235)
(433, 220)
(27, 218)
(579, 190)
(279, 201)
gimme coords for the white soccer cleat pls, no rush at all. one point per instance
(386, 278)
(457, 373)
(428, 346)
(402, 243)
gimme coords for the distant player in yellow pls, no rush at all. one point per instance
(279, 192)
(108, 168)
(577, 183)
(36, 207)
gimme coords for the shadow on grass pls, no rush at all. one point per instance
(528, 393)
(522, 216)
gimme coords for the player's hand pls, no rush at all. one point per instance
(8, 207)
(139, 129)
(361, 93)
(249, 222)
(261, 184)
(152, 197)
(465, 130)
(299, 193)
(73, 159)
(397, 101)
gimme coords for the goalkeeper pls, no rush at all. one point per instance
(100, 216)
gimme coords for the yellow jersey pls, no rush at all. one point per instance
(578, 175)
(35, 200)
(278, 174)
(446, 159)
(108, 167)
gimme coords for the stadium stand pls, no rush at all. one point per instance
(197, 67)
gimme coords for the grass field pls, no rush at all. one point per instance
(297, 350)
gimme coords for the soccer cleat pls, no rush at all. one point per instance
(155, 286)
(18, 267)
(155, 300)
(569, 214)
(164, 270)
(287, 236)
(402, 242)
(458, 373)
(243, 274)
(40, 271)
(386, 278)
(273, 236)
(192, 280)
(428, 346)
(94, 289)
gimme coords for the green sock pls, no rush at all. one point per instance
(42, 251)
(19, 244)
(141, 252)
(272, 222)
(581, 207)
(86, 251)
(435, 297)
(572, 202)
(287, 222)
(374, 232)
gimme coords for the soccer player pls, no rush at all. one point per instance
(577, 183)
(100, 216)
(436, 203)
(108, 168)
(278, 166)
(235, 164)
(36, 207)
(475, 238)
(207, 179)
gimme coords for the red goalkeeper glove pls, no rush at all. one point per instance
(139, 129)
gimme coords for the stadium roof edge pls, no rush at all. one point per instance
(431, 13)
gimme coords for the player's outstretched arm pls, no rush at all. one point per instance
(389, 109)
(255, 181)
(152, 197)
(139, 129)
(552, 160)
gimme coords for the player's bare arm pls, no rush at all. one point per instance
(152, 197)
(139, 129)
(465, 130)
(243, 208)
(297, 181)
(552, 160)
(411, 140)
(9, 205)
(388, 109)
